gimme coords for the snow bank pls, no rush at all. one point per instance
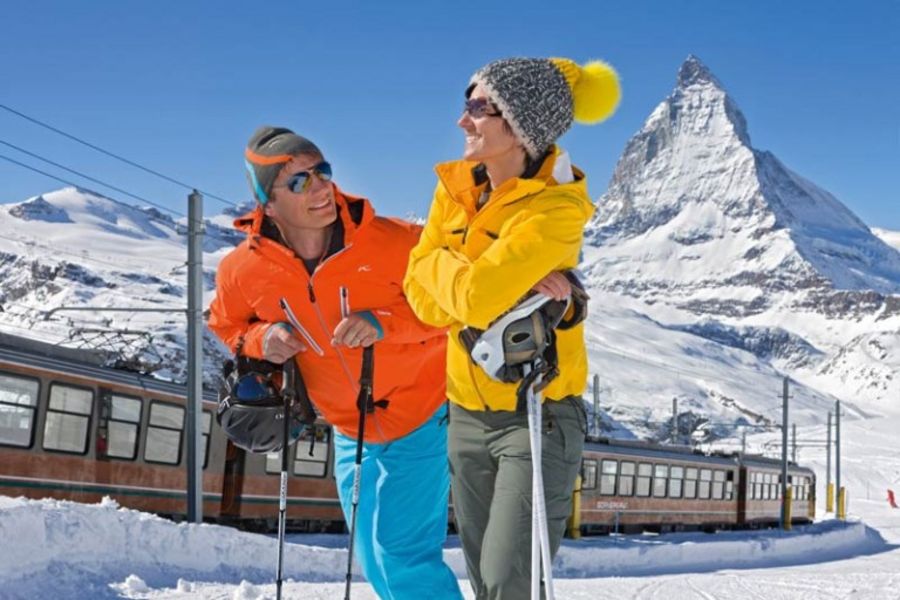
(103, 551)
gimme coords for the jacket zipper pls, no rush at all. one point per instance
(346, 368)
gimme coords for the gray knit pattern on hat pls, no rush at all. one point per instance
(533, 96)
(273, 141)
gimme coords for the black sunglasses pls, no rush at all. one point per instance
(481, 107)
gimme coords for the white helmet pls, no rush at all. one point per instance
(519, 337)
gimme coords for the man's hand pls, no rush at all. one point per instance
(554, 285)
(354, 331)
(280, 344)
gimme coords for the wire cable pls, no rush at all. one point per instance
(67, 182)
(88, 177)
(115, 156)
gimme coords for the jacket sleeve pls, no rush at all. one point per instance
(420, 300)
(400, 325)
(233, 319)
(477, 292)
(396, 320)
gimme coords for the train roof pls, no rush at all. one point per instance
(650, 449)
(82, 363)
(684, 453)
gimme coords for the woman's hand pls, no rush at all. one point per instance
(354, 331)
(554, 285)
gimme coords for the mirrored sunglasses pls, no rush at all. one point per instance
(253, 387)
(300, 181)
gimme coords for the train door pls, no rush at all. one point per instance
(233, 483)
(743, 486)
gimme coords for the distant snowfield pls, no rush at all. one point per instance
(891, 238)
(76, 551)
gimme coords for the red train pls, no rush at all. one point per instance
(72, 429)
(637, 486)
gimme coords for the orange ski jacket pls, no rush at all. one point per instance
(409, 359)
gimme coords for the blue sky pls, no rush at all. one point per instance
(179, 86)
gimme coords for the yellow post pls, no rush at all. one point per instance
(829, 498)
(842, 504)
(574, 524)
(787, 508)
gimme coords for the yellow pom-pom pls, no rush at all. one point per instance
(596, 93)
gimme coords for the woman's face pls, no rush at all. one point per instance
(487, 136)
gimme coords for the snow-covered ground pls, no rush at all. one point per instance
(74, 551)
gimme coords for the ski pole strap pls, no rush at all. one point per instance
(542, 373)
(294, 388)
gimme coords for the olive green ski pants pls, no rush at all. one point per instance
(490, 468)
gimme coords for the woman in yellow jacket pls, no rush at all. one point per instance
(506, 220)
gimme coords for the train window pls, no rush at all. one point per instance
(718, 486)
(608, 469)
(68, 419)
(164, 434)
(206, 423)
(704, 488)
(588, 474)
(645, 470)
(690, 482)
(18, 399)
(729, 486)
(626, 479)
(305, 465)
(676, 475)
(660, 474)
(124, 421)
(311, 458)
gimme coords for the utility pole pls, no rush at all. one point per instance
(794, 443)
(837, 453)
(596, 405)
(195, 359)
(828, 493)
(674, 419)
(744, 442)
(784, 452)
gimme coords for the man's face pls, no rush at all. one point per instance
(312, 208)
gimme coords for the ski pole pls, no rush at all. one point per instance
(539, 533)
(362, 402)
(288, 387)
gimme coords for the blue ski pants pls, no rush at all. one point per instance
(401, 521)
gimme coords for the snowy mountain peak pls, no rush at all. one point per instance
(38, 209)
(693, 72)
(698, 225)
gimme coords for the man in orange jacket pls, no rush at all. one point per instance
(312, 251)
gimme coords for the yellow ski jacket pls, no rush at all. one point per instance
(471, 266)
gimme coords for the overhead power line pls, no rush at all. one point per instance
(72, 183)
(115, 156)
(88, 177)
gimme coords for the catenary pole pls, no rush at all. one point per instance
(195, 359)
(784, 451)
(837, 452)
(828, 459)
